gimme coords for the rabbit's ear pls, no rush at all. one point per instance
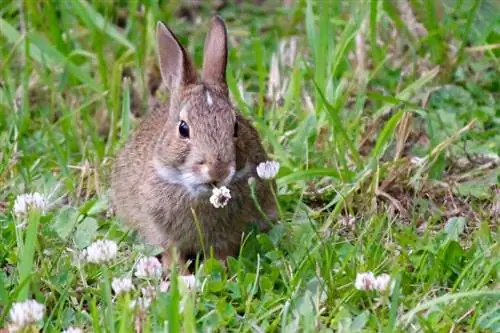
(176, 66)
(215, 53)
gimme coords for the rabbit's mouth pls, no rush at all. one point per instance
(192, 182)
(195, 184)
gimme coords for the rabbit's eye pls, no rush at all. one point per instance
(184, 129)
(235, 129)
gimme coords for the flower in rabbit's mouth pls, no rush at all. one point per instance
(268, 169)
(220, 197)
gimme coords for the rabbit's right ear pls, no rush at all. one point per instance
(176, 66)
(215, 53)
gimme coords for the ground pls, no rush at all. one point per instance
(384, 117)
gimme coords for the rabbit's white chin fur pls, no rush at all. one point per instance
(195, 184)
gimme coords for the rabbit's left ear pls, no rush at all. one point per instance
(176, 66)
(215, 53)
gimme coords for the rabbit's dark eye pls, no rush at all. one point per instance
(184, 129)
(235, 129)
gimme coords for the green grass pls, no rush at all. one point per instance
(406, 144)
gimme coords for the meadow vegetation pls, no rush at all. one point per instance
(384, 117)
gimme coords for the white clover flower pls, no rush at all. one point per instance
(122, 285)
(368, 281)
(365, 281)
(73, 330)
(220, 197)
(347, 221)
(417, 161)
(141, 302)
(24, 314)
(188, 280)
(148, 267)
(25, 202)
(164, 285)
(149, 292)
(100, 251)
(268, 169)
(382, 282)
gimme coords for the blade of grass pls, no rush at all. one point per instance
(430, 158)
(114, 106)
(465, 36)
(393, 13)
(272, 138)
(108, 301)
(173, 305)
(404, 320)
(25, 266)
(395, 298)
(93, 18)
(14, 295)
(61, 300)
(392, 100)
(96, 326)
(411, 89)
(235, 92)
(310, 173)
(385, 136)
(189, 315)
(341, 196)
(337, 125)
(342, 47)
(4, 295)
(60, 157)
(47, 55)
(374, 48)
(261, 75)
(434, 37)
(323, 45)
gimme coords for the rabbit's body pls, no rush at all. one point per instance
(162, 179)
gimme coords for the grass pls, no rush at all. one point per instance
(386, 124)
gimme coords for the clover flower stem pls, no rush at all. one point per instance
(257, 204)
(273, 191)
(25, 266)
(106, 289)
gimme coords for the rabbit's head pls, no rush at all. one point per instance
(196, 148)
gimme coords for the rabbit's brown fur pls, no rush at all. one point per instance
(160, 180)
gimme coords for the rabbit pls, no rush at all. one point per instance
(163, 177)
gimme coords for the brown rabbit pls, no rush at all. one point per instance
(163, 178)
